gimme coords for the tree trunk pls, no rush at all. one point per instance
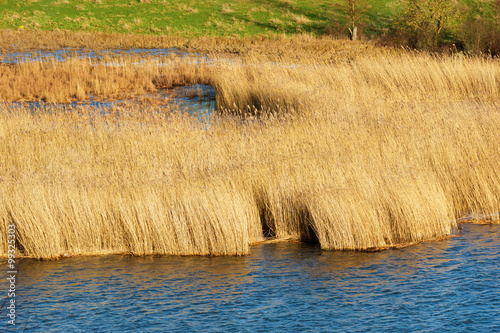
(354, 33)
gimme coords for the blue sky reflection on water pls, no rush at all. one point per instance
(446, 286)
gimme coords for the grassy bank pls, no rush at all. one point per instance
(185, 18)
(469, 26)
(368, 152)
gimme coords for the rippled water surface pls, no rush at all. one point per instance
(447, 286)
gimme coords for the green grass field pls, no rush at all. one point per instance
(192, 18)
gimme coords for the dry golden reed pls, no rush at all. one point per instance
(367, 153)
(110, 78)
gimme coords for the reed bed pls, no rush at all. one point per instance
(362, 154)
(110, 78)
(297, 47)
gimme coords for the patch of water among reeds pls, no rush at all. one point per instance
(196, 100)
(83, 53)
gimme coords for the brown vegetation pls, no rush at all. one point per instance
(111, 78)
(369, 152)
(299, 47)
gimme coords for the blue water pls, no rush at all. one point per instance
(197, 100)
(67, 53)
(446, 286)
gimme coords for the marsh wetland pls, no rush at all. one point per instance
(254, 189)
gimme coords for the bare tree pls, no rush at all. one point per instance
(355, 11)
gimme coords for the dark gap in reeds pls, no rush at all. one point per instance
(267, 222)
(307, 229)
